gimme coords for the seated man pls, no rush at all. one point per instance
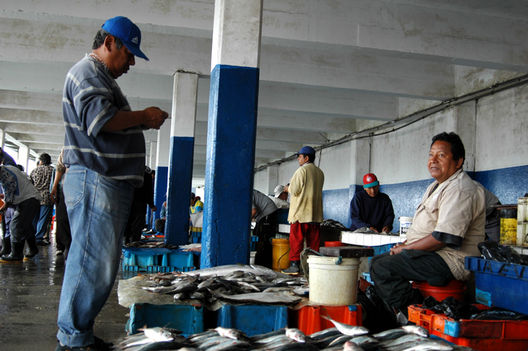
(447, 226)
(159, 224)
(370, 208)
(264, 213)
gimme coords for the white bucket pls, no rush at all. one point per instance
(333, 280)
(405, 223)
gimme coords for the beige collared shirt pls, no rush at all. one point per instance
(306, 195)
(456, 207)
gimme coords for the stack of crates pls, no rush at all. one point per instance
(482, 335)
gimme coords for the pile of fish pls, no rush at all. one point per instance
(342, 337)
(231, 284)
(151, 245)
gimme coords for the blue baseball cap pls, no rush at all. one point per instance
(306, 150)
(123, 28)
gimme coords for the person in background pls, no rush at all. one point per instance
(264, 213)
(62, 231)
(280, 197)
(370, 208)
(104, 151)
(22, 196)
(447, 226)
(5, 159)
(196, 204)
(306, 206)
(159, 224)
(142, 197)
(41, 178)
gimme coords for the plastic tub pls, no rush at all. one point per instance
(333, 243)
(455, 289)
(333, 280)
(280, 250)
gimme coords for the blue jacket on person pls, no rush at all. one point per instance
(366, 211)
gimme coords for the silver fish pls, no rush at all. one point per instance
(295, 334)
(351, 346)
(416, 329)
(352, 330)
(324, 333)
(231, 333)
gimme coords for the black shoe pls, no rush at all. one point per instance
(32, 248)
(16, 254)
(6, 247)
(293, 269)
(98, 345)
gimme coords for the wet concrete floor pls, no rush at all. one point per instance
(29, 300)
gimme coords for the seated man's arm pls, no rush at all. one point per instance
(428, 243)
(355, 218)
(388, 217)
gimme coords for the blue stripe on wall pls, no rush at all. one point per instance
(160, 188)
(507, 184)
(229, 169)
(179, 187)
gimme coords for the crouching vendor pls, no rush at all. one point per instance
(447, 226)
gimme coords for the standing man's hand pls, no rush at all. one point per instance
(154, 117)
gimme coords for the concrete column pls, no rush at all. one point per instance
(23, 156)
(162, 168)
(181, 157)
(2, 138)
(231, 132)
(273, 178)
(153, 152)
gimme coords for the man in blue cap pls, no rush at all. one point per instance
(104, 151)
(306, 206)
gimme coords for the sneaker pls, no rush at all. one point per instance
(293, 269)
(59, 253)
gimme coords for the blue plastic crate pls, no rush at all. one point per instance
(500, 284)
(187, 318)
(253, 319)
(155, 260)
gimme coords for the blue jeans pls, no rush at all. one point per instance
(42, 221)
(98, 209)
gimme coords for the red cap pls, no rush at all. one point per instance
(370, 180)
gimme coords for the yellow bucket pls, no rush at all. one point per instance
(281, 258)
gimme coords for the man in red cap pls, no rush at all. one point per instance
(306, 206)
(370, 208)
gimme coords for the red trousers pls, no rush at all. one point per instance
(299, 232)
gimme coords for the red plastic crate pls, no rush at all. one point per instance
(310, 318)
(483, 335)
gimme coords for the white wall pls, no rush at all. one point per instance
(502, 133)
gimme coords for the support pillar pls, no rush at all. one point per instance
(181, 157)
(162, 169)
(231, 132)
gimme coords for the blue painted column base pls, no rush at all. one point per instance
(229, 168)
(179, 187)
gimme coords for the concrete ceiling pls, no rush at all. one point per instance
(327, 67)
